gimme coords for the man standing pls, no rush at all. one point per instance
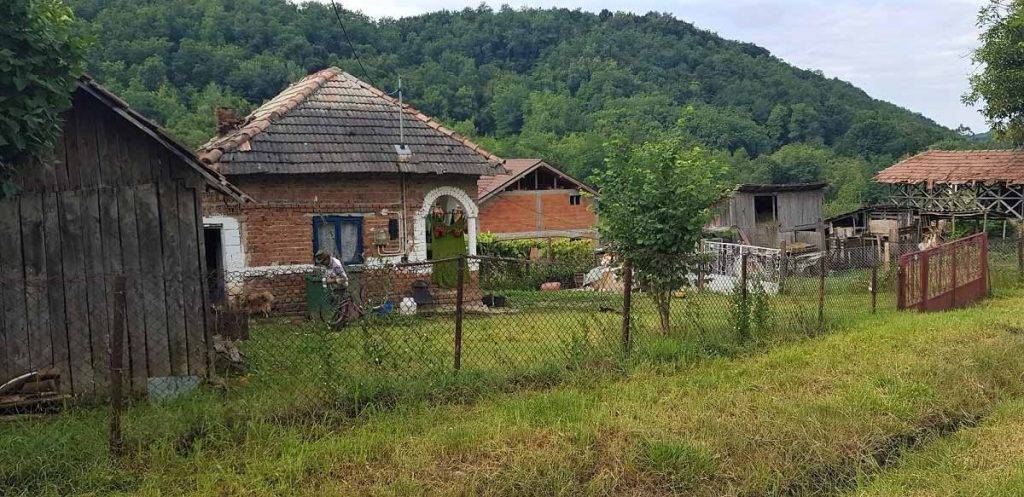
(334, 270)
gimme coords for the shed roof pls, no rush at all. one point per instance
(490, 186)
(957, 167)
(213, 178)
(781, 187)
(330, 122)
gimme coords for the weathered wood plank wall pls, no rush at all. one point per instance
(112, 201)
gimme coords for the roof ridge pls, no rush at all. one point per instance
(289, 98)
(429, 121)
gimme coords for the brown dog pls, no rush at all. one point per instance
(258, 302)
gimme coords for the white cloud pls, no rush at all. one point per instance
(914, 53)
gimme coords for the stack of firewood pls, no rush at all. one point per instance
(33, 389)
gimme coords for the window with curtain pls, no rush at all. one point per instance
(340, 236)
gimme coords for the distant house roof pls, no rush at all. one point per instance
(332, 122)
(213, 178)
(781, 187)
(490, 186)
(957, 167)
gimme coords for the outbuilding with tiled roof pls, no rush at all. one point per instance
(986, 183)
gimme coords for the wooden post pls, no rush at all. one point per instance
(116, 343)
(874, 286)
(460, 282)
(886, 256)
(627, 303)
(821, 292)
(1020, 256)
(700, 276)
(782, 267)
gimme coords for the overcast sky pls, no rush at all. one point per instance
(914, 53)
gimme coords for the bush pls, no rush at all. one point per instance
(567, 259)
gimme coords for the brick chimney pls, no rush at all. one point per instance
(227, 120)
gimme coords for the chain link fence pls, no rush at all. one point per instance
(287, 346)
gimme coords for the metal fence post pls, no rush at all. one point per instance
(460, 282)
(117, 329)
(627, 303)
(743, 278)
(821, 293)
(952, 273)
(783, 267)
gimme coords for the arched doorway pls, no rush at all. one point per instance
(469, 208)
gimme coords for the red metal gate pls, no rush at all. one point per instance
(945, 277)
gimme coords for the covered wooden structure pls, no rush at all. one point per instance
(117, 199)
(775, 215)
(982, 184)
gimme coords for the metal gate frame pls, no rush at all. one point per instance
(949, 276)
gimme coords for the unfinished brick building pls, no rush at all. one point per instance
(335, 164)
(536, 200)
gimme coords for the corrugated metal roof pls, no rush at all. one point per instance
(331, 121)
(780, 187)
(957, 167)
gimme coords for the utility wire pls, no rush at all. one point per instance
(351, 46)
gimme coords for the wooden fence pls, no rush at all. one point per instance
(945, 277)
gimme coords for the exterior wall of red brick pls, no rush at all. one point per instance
(525, 211)
(277, 230)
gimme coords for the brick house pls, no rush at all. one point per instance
(536, 200)
(335, 164)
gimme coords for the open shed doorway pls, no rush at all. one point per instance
(214, 242)
(765, 209)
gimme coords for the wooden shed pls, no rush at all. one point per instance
(117, 199)
(770, 215)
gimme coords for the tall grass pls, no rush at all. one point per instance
(801, 417)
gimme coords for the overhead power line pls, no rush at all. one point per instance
(352, 46)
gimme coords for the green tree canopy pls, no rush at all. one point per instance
(656, 199)
(1000, 83)
(40, 59)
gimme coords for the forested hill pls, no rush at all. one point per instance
(552, 83)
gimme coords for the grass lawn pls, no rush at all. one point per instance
(985, 461)
(800, 418)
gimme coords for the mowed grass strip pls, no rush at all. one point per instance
(986, 461)
(804, 418)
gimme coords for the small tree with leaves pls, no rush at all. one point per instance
(40, 58)
(655, 201)
(1000, 83)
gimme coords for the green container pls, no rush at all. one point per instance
(318, 299)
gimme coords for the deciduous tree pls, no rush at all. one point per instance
(40, 58)
(655, 200)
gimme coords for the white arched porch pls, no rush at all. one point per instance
(419, 226)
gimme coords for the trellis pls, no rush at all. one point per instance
(994, 201)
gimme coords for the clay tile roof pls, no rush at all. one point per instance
(488, 186)
(957, 167)
(331, 121)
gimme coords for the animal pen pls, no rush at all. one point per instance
(103, 245)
